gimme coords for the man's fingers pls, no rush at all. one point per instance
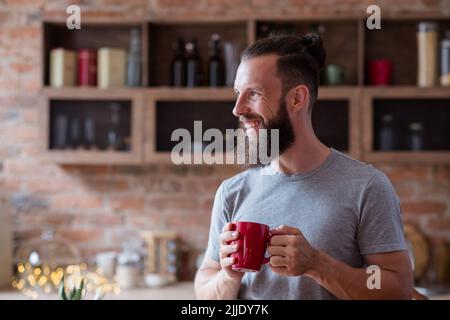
(277, 261)
(226, 250)
(228, 236)
(282, 240)
(285, 230)
(280, 270)
(227, 227)
(276, 250)
(226, 262)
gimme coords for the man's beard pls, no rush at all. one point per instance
(286, 135)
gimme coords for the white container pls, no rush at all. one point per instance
(106, 262)
(427, 54)
(127, 276)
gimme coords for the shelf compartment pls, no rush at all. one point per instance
(92, 36)
(67, 111)
(162, 36)
(341, 50)
(430, 107)
(384, 44)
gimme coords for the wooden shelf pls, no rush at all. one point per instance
(158, 34)
(422, 157)
(68, 97)
(407, 97)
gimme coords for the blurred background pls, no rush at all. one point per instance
(87, 186)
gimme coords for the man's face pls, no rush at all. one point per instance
(261, 103)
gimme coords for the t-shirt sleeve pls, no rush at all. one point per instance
(218, 220)
(380, 226)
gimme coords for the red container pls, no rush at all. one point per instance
(380, 72)
(253, 241)
(87, 67)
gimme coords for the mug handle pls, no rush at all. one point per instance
(267, 259)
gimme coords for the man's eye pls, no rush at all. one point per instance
(254, 93)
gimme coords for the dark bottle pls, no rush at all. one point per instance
(178, 77)
(416, 136)
(134, 60)
(216, 74)
(75, 133)
(89, 133)
(114, 139)
(193, 71)
(387, 136)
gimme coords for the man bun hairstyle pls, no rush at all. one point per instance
(300, 58)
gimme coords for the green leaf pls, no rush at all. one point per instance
(62, 292)
(78, 292)
(72, 294)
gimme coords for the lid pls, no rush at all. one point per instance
(427, 26)
(416, 126)
(387, 118)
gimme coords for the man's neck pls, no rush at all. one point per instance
(301, 157)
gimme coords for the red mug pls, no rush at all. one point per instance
(380, 71)
(252, 241)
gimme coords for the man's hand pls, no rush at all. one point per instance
(227, 249)
(291, 254)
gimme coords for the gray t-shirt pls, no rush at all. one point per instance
(344, 207)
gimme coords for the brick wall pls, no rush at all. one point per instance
(99, 206)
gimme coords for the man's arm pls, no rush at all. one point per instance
(345, 282)
(212, 282)
(216, 280)
(292, 255)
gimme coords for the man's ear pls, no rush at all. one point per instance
(300, 98)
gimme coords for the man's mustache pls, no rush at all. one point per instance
(243, 118)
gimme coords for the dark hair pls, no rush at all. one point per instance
(299, 62)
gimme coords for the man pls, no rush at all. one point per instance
(334, 216)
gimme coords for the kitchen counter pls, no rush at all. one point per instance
(177, 291)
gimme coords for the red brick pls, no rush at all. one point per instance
(440, 224)
(174, 202)
(99, 219)
(23, 134)
(145, 220)
(45, 186)
(442, 174)
(201, 187)
(408, 173)
(77, 202)
(21, 32)
(15, 4)
(405, 190)
(81, 235)
(124, 203)
(179, 221)
(162, 184)
(10, 184)
(25, 233)
(107, 185)
(423, 207)
(55, 219)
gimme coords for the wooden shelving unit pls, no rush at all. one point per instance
(349, 108)
(403, 97)
(71, 97)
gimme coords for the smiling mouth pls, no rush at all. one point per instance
(251, 125)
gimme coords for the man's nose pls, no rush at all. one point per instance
(240, 107)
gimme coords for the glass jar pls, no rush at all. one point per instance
(130, 265)
(387, 137)
(42, 262)
(416, 142)
(445, 60)
(427, 46)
